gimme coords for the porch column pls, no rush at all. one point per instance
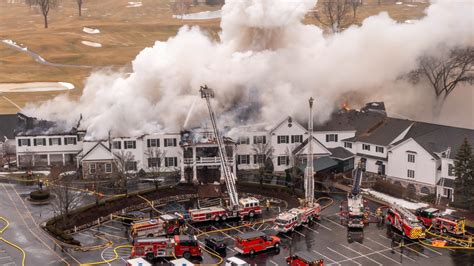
(49, 159)
(195, 180)
(222, 180)
(17, 160)
(64, 159)
(182, 179)
(234, 160)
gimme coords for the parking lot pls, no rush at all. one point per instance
(326, 239)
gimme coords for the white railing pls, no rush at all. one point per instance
(206, 160)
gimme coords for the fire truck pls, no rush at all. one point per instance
(445, 223)
(309, 210)
(288, 221)
(245, 207)
(404, 221)
(255, 241)
(248, 207)
(304, 258)
(166, 224)
(179, 246)
(354, 211)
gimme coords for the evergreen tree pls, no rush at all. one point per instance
(464, 182)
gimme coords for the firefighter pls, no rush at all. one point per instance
(379, 215)
(268, 204)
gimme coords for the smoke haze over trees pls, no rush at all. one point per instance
(267, 63)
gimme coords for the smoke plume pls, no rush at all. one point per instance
(265, 66)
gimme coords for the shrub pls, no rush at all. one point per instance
(60, 234)
(39, 195)
(389, 188)
(430, 198)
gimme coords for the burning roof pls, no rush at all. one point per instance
(31, 126)
(201, 136)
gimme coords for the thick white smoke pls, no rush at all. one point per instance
(265, 66)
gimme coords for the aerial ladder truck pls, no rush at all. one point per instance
(309, 210)
(354, 211)
(237, 207)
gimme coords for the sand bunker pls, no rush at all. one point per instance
(134, 4)
(35, 86)
(90, 30)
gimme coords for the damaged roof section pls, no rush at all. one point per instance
(31, 126)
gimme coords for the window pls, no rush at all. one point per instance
(153, 143)
(117, 145)
(154, 162)
(108, 168)
(411, 158)
(296, 138)
(366, 147)
(131, 166)
(39, 142)
(379, 149)
(348, 145)
(283, 139)
(258, 159)
(244, 159)
(24, 142)
(450, 170)
(171, 161)
(282, 160)
(70, 141)
(259, 139)
(331, 137)
(170, 142)
(411, 173)
(54, 141)
(243, 140)
(129, 144)
(446, 191)
(92, 168)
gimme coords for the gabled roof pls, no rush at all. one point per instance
(303, 145)
(436, 139)
(288, 120)
(340, 153)
(385, 132)
(96, 147)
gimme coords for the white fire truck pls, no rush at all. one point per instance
(166, 224)
(236, 208)
(248, 207)
(289, 220)
(354, 211)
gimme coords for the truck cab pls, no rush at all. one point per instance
(186, 246)
(252, 242)
(304, 258)
(249, 207)
(285, 222)
(426, 215)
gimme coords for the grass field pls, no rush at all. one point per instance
(125, 31)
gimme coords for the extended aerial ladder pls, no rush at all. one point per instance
(309, 173)
(354, 212)
(229, 178)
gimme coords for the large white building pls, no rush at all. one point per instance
(419, 156)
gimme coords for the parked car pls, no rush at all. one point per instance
(215, 243)
(234, 261)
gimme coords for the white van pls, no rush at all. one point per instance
(234, 261)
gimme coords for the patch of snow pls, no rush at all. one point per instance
(90, 30)
(399, 3)
(448, 211)
(200, 15)
(92, 44)
(411, 5)
(134, 4)
(409, 21)
(389, 199)
(35, 86)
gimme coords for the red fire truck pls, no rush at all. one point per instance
(405, 221)
(288, 221)
(252, 242)
(445, 223)
(179, 246)
(248, 207)
(166, 224)
(304, 258)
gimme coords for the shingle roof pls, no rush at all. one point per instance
(446, 182)
(438, 138)
(340, 153)
(385, 132)
(7, 126)
(31, 126)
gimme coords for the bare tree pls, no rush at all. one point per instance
(126, 166)
(156, 161)
(79, 6)
(445, 72)
(336, 14)
(66, 197)
(181, 7)
(263, 154)
(45, 6)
